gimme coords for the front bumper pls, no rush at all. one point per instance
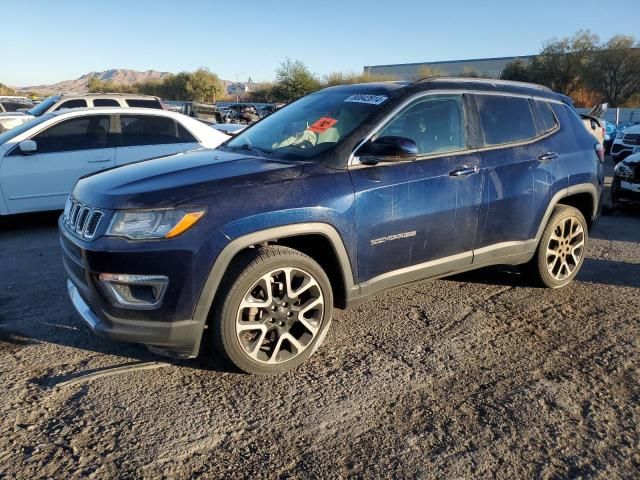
(623, 195)
(174, 327)
(174, 339)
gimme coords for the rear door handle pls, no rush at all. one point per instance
(464, 171)
(100, 160)
(546, 157)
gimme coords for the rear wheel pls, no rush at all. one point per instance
(276, 312)
(561, 250)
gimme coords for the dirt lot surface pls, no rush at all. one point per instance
(474, 376)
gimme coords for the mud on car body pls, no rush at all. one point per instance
(326, 202)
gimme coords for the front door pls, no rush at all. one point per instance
(66, 151)
(419, 217)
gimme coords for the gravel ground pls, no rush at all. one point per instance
(473, 376)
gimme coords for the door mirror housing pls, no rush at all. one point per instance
(28, 147)
(388, 149)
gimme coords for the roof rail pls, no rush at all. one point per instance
(494, 81)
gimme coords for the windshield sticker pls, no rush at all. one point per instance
(323, 124)
(370, 99)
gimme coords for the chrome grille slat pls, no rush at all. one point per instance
(82, 219)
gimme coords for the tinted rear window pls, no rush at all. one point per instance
(505, 119)
(147, 130)
(142, 103)
(105, 102)
(78, 103)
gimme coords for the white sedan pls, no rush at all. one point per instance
(41, 160)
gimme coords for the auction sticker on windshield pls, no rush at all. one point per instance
(323, 124)
(364, 98)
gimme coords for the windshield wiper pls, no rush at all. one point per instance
(245, 146)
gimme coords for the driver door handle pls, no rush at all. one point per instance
(464, 171)
(547, 157)
(100, 159)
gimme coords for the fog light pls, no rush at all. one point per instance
(134, 291)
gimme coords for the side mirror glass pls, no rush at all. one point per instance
(28, 146)
(388, 149)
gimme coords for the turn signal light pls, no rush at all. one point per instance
(184, 224)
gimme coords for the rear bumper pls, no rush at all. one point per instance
(175, 339)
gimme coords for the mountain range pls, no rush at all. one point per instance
(79, 85)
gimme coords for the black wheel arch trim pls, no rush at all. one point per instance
(222, 262)
(589, 188)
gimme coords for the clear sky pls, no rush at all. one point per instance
(45, 41)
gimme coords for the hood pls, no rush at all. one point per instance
(632, 160)
(180, 179)
(631, 129)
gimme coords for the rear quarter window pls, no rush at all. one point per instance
(144, 103)
(505, 119)
(548, 118)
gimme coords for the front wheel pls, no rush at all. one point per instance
(561, 250)
(276, 312)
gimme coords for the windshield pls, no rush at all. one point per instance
(14, 132)
(43, 106)
(309, 126)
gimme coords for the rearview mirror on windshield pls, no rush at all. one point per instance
(388, 149)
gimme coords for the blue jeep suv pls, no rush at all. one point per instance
(326, 202)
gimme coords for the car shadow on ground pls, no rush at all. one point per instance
(594, 270)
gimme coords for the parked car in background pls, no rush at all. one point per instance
(627, 142)
(334, 198)
(609, 136)
(81, 100)
(10, 104)
(595, 126)
(42, 159)
(625, 187)
(210, 114)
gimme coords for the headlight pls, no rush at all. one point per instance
(152, 224)
(624, 170)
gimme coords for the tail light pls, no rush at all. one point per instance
(599, 151)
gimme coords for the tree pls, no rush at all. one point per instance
(294, 80)
(203, 86)
(96, 85)
(262, 92)
(469, 72)
(342, 78)
(561, 62)
(614, 70)
(4, 90)
(516, 70)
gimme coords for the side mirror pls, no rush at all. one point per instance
(388, 149)
(28, 147)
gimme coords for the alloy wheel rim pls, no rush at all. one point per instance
(565, 248)
(280, 315)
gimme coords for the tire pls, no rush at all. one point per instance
(566, 236)
(287, 325)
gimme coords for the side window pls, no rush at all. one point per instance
(105, 102)
(82, 133)
(505, 119)
(435, 123)
(184, 136)
(142, 103)
(549, 120)
(78, 103)
(147, 130)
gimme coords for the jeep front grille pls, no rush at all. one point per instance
(82, 219)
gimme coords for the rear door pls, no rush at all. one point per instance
(66, 151)
(509, 160)
(151, 136)
(414, 212)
